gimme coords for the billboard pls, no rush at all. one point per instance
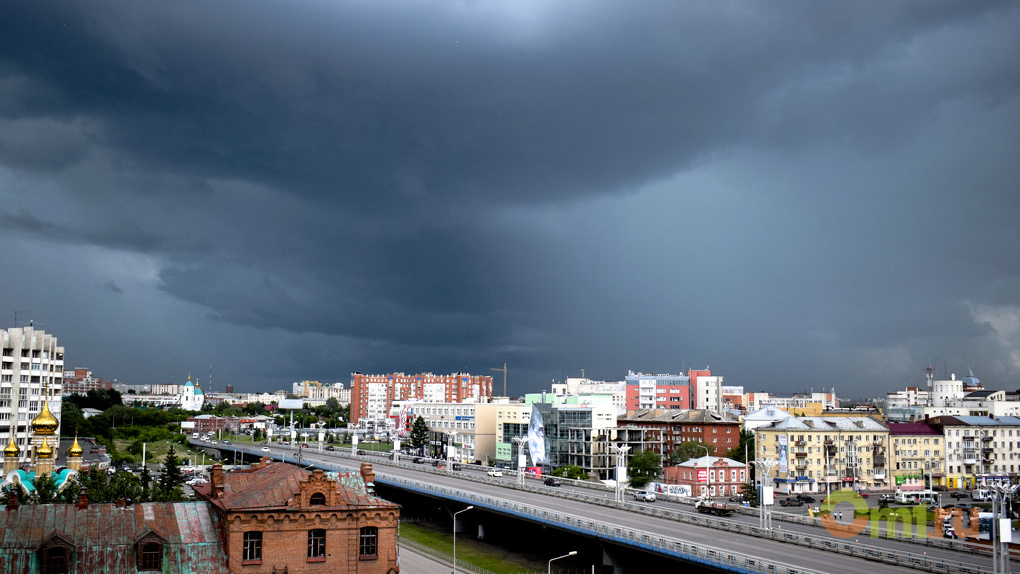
(674, 489)
(291, 404)
(187, 424)
(783, 466)
(702, 475)
(536, 438)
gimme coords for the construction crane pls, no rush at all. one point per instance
(503, 370)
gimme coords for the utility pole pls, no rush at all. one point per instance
(503, 370)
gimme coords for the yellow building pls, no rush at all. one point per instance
(817, 454)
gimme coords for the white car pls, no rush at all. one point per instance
(265, 449)
(196, 482)
(495, 472)
(644, 496)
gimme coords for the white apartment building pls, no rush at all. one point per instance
(469, 427)
(31, 365)
(980, 450)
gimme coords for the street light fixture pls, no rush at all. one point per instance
(455, 536)
(572, 553)
(708, 477)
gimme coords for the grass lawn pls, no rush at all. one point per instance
(476, 552)
(155, 452)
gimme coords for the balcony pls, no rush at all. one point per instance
(801, 443)
(986, 438)
(880, 475)
(969, 459)
(800, 454)
(828, 442)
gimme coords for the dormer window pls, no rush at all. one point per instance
(54, 560)
(150, 556)
(317, 499)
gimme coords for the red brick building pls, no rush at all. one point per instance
(372, 395)
(676, 427)
(711, 476)
(280, 518)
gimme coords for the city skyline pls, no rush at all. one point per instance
(795, 196)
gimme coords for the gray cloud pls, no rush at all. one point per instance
(786, 192)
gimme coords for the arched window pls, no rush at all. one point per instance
(54, 560)
(317, 499)
(369, 547)
(150, 556)
(317, 543)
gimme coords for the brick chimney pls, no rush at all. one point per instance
(121, 503)
(368, 475)
(12, 498)
(83, 501)
(216, 482)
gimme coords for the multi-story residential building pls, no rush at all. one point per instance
(80, 381)
(733, 398)
(820, 453)
(917, 460)
(799, 404)
(980, 450)
(658, 391)
(373, 395)
(165, 389)
(719, 431)
(907, 405)
(319, 391)
(31, 373)
(708, 476)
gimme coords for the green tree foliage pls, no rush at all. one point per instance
(104, 487)
(99, 399)
(255, 408)
(688, 450)
(746, 446)
(45, 490)
(332, 406)
(644, 467)
(419, 432)
(570, 471)
(169, 488)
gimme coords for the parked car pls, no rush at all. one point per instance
(551, 481)
(495, 472)
(644, 496)
(806, 498)
(737, 498)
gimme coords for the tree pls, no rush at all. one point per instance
(570, 471)
(419, 432)
(746, 446)
(688, 450)
(45, 490)
(644, 467)
(169, 488)
(332, 405)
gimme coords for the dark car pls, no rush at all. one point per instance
(418, 460)
(330, 447)
(737, 498)
(304, 446)
(806, 498)
(361, 451)
(958, 495)
(457, 466)
(553, 482)
(791, 502)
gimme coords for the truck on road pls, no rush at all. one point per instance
(717, 508)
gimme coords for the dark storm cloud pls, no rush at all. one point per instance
(456, 185)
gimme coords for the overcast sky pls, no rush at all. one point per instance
(796, 194)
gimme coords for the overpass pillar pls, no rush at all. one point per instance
(607, 560)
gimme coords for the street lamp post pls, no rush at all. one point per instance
(572, 553)
(455, 536)
(708, 477)
(621, 463)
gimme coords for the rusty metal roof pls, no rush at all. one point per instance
(104, 535)
(272, 486)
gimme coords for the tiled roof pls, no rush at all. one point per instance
(104, 533)
(861, 423)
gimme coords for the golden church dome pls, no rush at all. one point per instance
(75, 450)
(12, 450)
(45, 424)
(44, 450)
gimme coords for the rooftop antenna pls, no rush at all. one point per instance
(929, 374)
(16, 317)
(210, 378)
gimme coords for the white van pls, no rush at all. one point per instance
(981, 494)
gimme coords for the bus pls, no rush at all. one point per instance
(917, 497)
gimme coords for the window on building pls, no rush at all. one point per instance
(369, 547)
(150, 556)
(252, 551)
(54, 560)
(317, 499)
(317, 543)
